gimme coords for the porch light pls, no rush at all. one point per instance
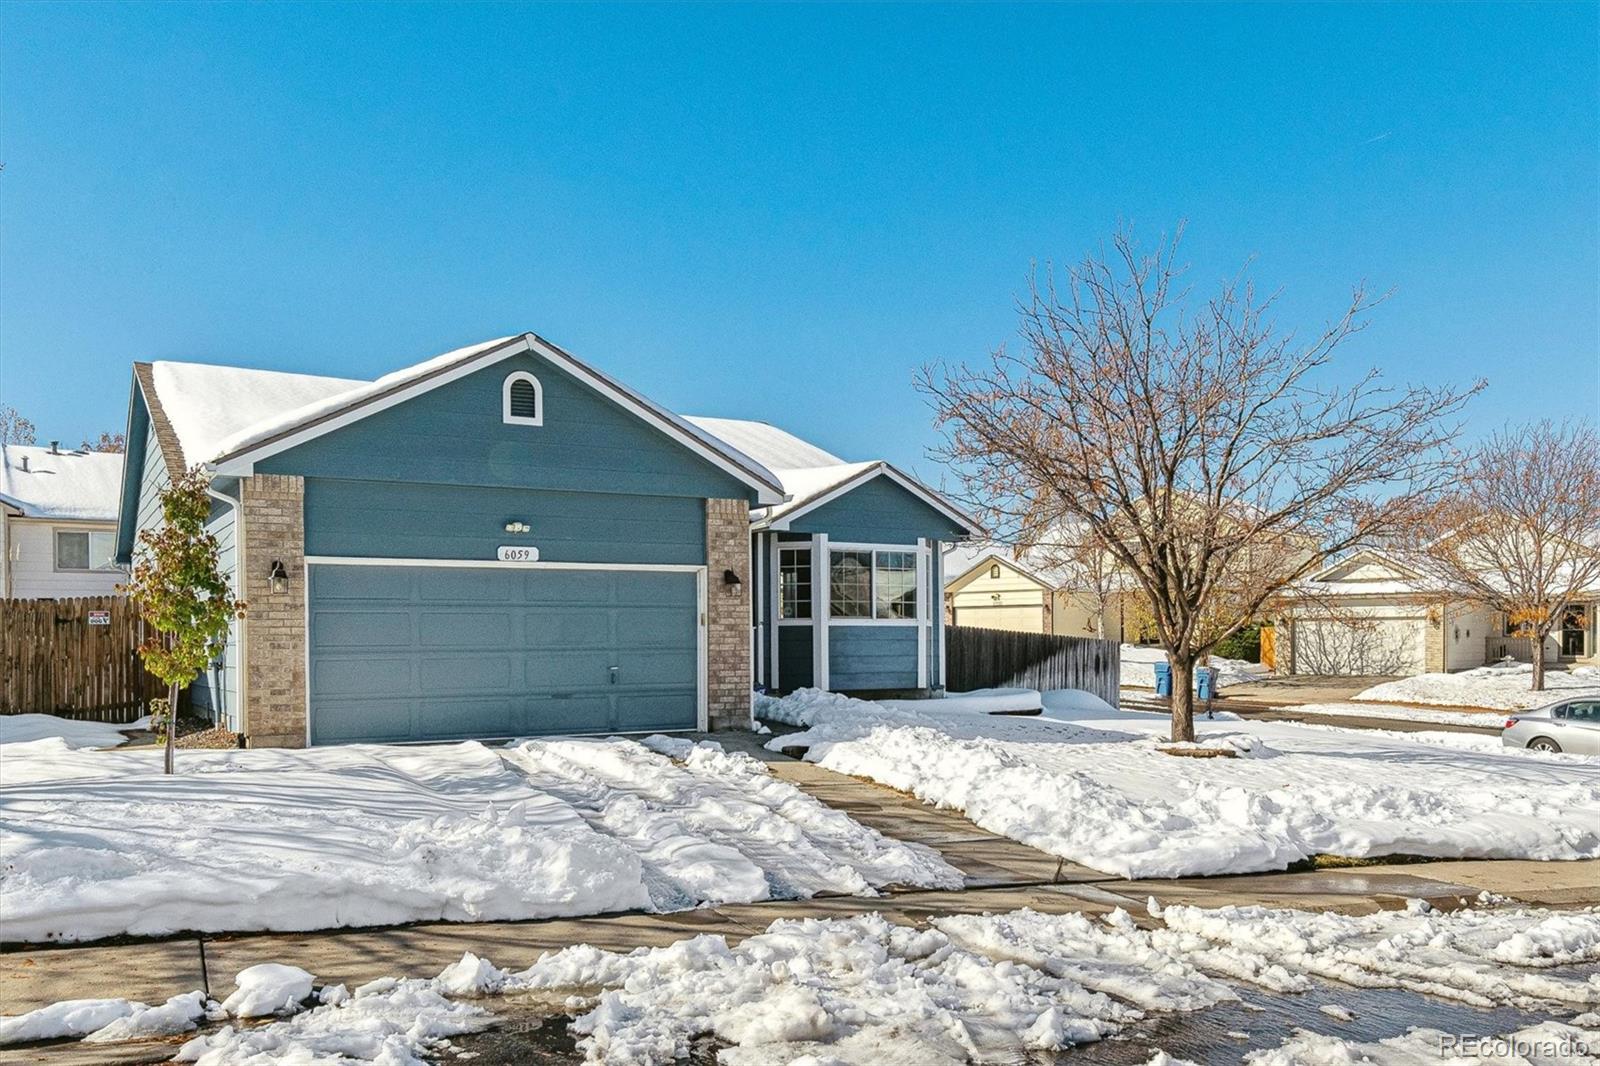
(731, 578)
(277, 576)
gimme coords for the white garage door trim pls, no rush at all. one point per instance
(702, 714)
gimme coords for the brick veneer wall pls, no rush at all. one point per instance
(728, 676)
(273, 529)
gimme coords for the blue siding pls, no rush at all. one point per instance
(878, 512)
(872, 657)
(453, 435)
(153, 480)
(216, 691)
(136, 476)
(398, 520)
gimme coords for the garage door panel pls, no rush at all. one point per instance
(1372, 646)
(567, 627)
(655, 627)
(437, 653)
(362, 677)
(637, 712)
(465, 674)
(370, 630)
(450, 584)
(465, 629)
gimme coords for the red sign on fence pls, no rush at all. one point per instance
(99, 618)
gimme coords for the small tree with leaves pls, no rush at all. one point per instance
(180, 590)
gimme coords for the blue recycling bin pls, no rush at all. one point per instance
(1205, 683)
(1163, 679)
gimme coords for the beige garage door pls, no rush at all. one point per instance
(1026, 619)
(1359, 647)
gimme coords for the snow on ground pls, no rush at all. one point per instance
(1502, 686)
(102, 843)
(1139, 668)
(72, 733)
(860, 990)
(1491, 719)
(1545, 1044)
(980, 701)
(1093, 787)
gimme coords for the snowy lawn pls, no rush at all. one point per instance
(859, 990)
(1486, 719)
(1093, 787)
(25, 728)
(99, 843)
(1139, 668)
(1499, 686)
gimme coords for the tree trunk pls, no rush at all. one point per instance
(1538, 663)
(1182, 699)
(172, 725)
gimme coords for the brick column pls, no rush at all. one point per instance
(273, 530)
(728, 668)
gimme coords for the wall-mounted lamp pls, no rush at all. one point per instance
(277, 576)
(518, 527)
(731, 578)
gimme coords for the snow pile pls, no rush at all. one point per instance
(1095, 788)
(70, 732)
(979, 701)
(717, 827)
(1545, 1044)
(1484, 958)
(104, 1020)
(1502, 686)
(358, 835)
(1139, 668)
(270, 988)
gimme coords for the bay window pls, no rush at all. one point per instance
(878, 585)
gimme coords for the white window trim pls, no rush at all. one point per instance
(916, 550)
(505, 400)
(55, 551)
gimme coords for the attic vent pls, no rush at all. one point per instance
(523, 400)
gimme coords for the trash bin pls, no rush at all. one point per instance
(1205, 683)
(1163, 679)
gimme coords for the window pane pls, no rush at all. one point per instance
(850, 585)
(102, 550)
(794, 584)
(72, 551)
(897, 585)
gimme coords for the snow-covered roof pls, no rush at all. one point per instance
(227, 416)
(807, 472)
(209, 406)
(65, 484)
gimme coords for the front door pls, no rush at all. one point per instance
(1574, 626)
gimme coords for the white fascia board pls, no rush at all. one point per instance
(767, 488)
(911, 485)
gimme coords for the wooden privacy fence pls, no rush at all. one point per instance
(999, 658)
(54, 661)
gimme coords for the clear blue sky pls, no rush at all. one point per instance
(777, 212)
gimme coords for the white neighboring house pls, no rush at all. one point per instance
(993, 586)
(58, 522)
(1368, 614)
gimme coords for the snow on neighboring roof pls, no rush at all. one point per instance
(768, 445)
(68, 484)
(206, 405)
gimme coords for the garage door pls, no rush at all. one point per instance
(1359, 647)
(1017, 619)
(439, 653)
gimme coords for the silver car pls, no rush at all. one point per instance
(1571, 726)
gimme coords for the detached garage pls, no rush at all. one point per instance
(497, 542)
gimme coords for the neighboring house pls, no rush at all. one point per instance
(1368, 614)
(995, 587)
(504, 541)
(58, 522)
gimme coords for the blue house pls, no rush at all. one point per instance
(504, 541)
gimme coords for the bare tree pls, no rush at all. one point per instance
(1208, 452)
(106, 442)
(1081, 563)
(14, 429)
(1521, 528)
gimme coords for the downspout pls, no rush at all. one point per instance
(238, 569)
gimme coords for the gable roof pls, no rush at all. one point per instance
(811, 476)
(970, 563)
(230, 417)
(65, 484)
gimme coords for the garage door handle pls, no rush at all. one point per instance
(614, 670)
